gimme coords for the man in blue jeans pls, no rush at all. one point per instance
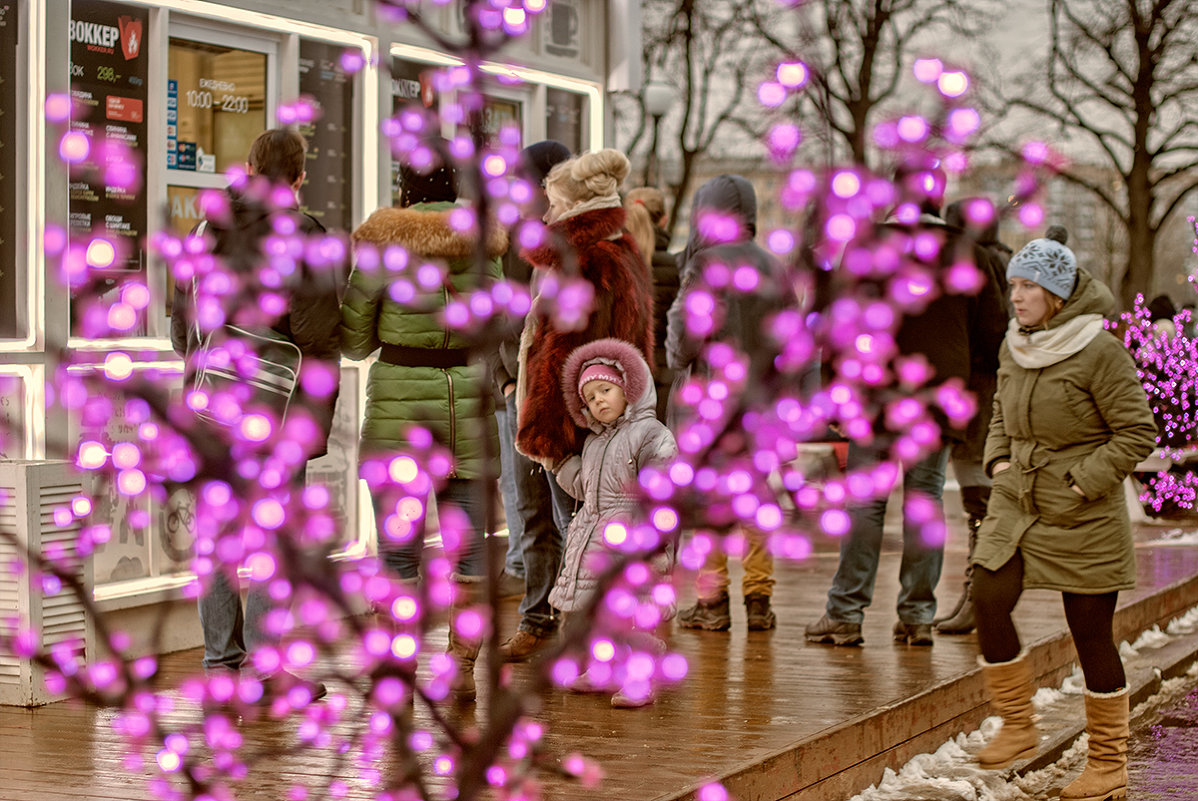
(309, 322)
(542, 510)
(955, 333)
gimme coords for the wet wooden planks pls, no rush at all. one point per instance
(749, 696)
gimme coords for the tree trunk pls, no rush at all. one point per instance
(684, 185)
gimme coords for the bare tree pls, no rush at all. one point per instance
(710, 52)
(857, 52)
(1122, 78)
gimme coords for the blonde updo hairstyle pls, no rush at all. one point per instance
(645, 208)
(587, 177)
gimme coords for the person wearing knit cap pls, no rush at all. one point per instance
(585, 241)
(608, 391)
(1071, 421)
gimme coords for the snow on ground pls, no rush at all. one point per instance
(950, 774)
(1176, 536)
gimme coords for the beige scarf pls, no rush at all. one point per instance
(1047, 347)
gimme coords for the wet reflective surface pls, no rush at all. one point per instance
(1163, 755)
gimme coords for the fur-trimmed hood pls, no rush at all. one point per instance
(579, 233)
(424, 228)
(623, 356)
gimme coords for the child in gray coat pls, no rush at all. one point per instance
(610, 391)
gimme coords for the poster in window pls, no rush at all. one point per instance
(12, 417)
(563, 118)
(109, 92)
(9, 284)
(412, 84)
(499, 113)
(327, 193)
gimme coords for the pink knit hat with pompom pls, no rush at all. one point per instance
(599, 372)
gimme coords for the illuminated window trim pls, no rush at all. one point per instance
(35, 180)
(33, 376)
(593, 91)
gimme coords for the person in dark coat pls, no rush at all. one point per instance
(967, 452)
(527, 498)
(646, 209)
(310, 319)
(586, 238)
(740, 318)
(957, 334)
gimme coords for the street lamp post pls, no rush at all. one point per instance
(658, 97)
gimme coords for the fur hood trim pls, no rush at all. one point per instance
(427, 232)
(579, 233)
(618, 354)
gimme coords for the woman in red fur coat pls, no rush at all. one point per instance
(586, 238)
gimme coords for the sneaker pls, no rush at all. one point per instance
(286, 684)
(834, 632)
(522, 646)
(913, 633)
(711, 615)
(510, 586)
(586, 684)
(634, 698)
(759, 614)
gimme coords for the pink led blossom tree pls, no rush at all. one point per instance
(389, 726)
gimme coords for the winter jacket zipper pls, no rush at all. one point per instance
(453, 422)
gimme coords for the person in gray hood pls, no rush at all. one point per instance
(723, 225)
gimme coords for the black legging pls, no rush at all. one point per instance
(1090, 619)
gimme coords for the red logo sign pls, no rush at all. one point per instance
(125, 109)
(130, 37)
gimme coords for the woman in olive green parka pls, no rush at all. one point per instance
(1071, 421)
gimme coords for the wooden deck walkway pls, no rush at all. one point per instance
(761, 708)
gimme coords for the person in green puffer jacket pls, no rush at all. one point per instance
(410, 264)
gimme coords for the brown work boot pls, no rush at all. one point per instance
(522, 646)
(463, 649)
(759, 614)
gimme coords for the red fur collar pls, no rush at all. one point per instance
(579, 233)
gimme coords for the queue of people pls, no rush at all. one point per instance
(582, 409)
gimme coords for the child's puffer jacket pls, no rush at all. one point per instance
(611, 460)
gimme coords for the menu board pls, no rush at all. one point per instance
(327, 193)
(110, 92)
(9, 295)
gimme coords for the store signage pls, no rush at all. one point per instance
(110, 90)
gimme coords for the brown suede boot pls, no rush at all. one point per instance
(464, 650)
(1011, 689)
(1105, 776)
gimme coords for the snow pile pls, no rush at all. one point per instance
(1176, 536)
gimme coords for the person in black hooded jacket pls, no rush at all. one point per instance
(740, 318)
(261, 213)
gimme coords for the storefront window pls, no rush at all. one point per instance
(216, 105)
(11, 286)
(564, 118)
(411, 85)
(107, 208)
(328, 191)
